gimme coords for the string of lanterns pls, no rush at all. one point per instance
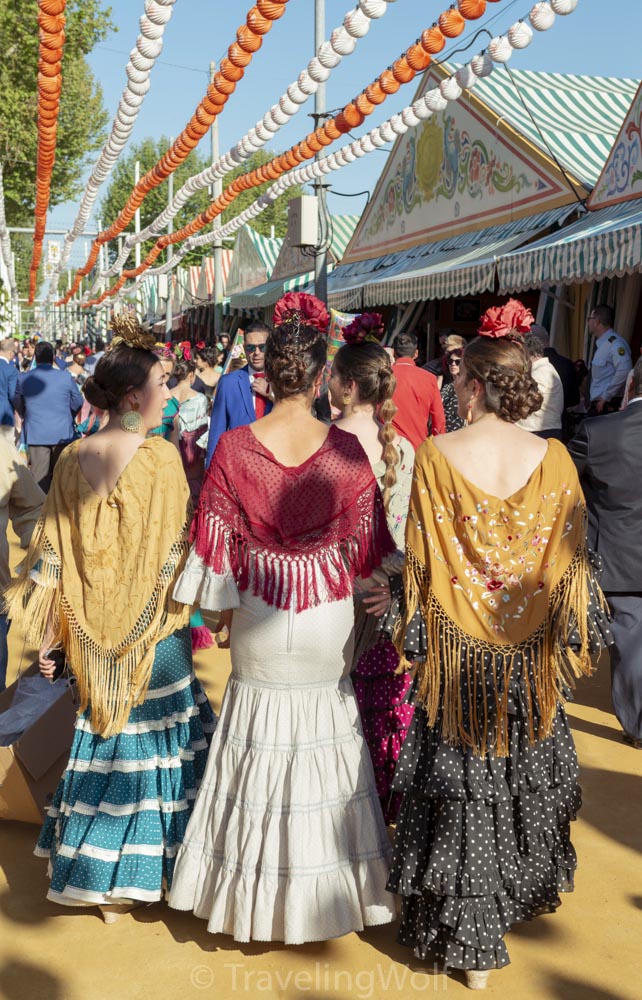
(249, 39)
(342, 42)
(149, 45)
(51, 22)
(416, 58)
(499, 50)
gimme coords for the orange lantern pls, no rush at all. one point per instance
(402, 71)
(451, 23)
(418, 58)
(388, 83)
(472, 9)
(432, 40)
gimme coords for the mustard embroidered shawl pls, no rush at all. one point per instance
(101, 570)
(493, 578)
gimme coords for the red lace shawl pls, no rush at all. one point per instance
(296, 537)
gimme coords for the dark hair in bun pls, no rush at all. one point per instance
(503, 366)
(294, 356)
(120, 370)
(183, 368)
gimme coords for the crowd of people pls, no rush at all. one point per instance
(397, 558)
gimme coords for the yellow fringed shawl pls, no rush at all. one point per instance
(494, 578)
(101, 570)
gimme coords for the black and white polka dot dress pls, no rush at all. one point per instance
(482, 843)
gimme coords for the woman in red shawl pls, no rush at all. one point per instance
(288, 841)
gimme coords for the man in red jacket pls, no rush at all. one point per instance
(419, 408)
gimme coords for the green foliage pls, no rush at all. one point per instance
(82, 118)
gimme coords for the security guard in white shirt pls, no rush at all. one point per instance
(611, 362)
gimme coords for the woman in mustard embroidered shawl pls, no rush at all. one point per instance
(98, 581)
(500, 613)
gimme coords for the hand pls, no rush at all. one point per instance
(45, 663)
(599, 405)
(260, 387)
(378, 600)
(223, 629)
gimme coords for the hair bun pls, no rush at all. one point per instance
(97, 395)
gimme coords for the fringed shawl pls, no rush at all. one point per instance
(498, 583)
(296, 537)
(100, 571)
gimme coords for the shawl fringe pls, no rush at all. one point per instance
(304, 580)
(467, 680)
(109, 681)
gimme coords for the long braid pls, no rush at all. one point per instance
(387, 433)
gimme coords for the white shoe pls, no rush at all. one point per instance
(476, 979)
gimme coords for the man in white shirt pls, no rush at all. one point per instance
(611, 362)
(547, 421)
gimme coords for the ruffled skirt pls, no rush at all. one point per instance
(481, 844)
(121, 808)
(287, 840)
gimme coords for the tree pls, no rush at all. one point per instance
(148, 152)
(82, 117)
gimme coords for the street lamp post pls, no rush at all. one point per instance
(321, 254)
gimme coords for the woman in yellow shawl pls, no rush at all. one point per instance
(500, 612)
(98, 581)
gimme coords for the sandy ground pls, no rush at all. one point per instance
(589, 950)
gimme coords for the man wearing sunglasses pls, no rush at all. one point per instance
(241, 396)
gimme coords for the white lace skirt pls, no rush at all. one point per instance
(287, 840)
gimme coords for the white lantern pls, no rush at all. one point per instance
(520, 35)
(465, 77)
(398, 125)
(450, 88)
(327, 56)
(542, 16)
(386, 132)
(409, 118)
(435, 100)
(500, 49)
(420, 109)
(356, 23)
(318, 71)
(373, 8)
(342, 42)
(306, 83)
(482, 64)
(563, 6)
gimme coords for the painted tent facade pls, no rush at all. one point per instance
(515, 158)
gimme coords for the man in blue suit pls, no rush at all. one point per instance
(48, 399)
(8, 386)
(241, 396)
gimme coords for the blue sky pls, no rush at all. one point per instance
(597, 39)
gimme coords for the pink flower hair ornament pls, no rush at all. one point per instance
(299, 307)
(365, 328)
(510, 320)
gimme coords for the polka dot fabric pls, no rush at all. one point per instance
(122, 806)
(483, 843)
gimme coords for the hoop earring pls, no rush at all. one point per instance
(347, 399)
(131, 421)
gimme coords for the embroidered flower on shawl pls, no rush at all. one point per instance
(307, 309)
(365, 327)
(511, 319)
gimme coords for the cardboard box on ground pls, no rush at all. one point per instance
(31, 767)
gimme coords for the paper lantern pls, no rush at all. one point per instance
(542, 16)
(364, 105)
(386, 132)
(327, 56)
(398, 125)
(563, 7)
(388, 83)
(356, 23)
(418, 58)
(342, 42)
(432, 40)
(466, 77)
(451, 23)
(450, 88)
(402, 71)
(375, 93)
(318, 71)
(306, 83)
(409, 118)
(421, 110)
(520, 35)
(373, 8)
(471, 9)
(376, 138)
(500, 49)
(435, 100)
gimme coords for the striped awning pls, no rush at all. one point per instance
(267, 247)
(460, 265)
(574, 118)
(601, 244)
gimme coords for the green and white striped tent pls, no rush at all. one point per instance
(254, 259)
(267, 294)
(569, 122)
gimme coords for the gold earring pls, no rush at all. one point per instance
(469, 414)
(131, 421)
(347, 398)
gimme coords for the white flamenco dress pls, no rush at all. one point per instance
(287, 840)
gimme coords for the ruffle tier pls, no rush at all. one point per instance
(481, 843)
(287, 841)
(122, 806)
(386, 713)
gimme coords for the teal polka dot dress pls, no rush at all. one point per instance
(122, 806)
